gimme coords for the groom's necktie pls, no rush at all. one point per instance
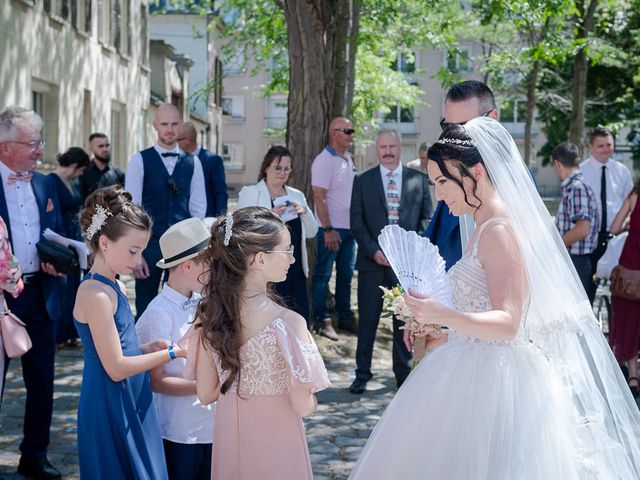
(393, 200)
(603, 198)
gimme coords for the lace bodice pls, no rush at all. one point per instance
(274, 359)
(469, 294)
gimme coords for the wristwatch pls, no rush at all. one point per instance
(327, 229)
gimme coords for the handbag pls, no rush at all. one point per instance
(625, 283)
(64, 259)
(15, 338)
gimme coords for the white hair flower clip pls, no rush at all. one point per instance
(97, 221)
(228, 229)
(455, 141)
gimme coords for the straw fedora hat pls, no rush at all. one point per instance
(182, 241)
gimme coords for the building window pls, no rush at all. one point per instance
(405, 63)
(105, 30)
(400, 114)
(513, 111)
(233, 107)
(58, 8)
(81, 15)
(277, 112)
(121, 30)
(233, 156)
(513, 114)
(45, 103)
(459, 60)
(144, 36)
(234, 65)
(119, 133)
(86, 116)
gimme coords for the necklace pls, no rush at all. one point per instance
(247, 293)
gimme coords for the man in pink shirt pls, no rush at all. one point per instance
(332, 175)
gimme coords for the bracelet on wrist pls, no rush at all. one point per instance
(172, 354)
(327, 229)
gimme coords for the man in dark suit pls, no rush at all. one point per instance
(29, 205)
(386, 194)
(212, 168)
(464, 101)
(169, 184)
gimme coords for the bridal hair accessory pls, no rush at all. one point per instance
(228, 229)
(455, 141)
(97, 221)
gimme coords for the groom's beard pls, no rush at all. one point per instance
(106, 159)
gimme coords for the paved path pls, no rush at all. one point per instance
(336, 432)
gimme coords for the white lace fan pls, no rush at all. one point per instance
(416, 262)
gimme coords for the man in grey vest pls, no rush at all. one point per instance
(169, 184)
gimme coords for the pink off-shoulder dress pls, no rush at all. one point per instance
(257, 434)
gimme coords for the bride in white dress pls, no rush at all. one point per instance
(523, 385)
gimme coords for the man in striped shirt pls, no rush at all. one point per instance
(578, 218)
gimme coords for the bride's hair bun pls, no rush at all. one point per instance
(109, 211)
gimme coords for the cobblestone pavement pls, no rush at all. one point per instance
(336, 432)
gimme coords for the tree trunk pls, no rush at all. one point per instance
(311, 41)
(580, 68)
(347, 27)
(532, 82)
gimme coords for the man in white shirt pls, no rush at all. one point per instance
(611, 182)
(29, 205)
(187, 426)
(169, 184)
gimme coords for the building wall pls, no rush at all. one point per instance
(245, 123)
(78, 83)
(189, 35)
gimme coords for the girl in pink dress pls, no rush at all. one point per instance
(256, 358)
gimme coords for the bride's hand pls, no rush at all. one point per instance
(408, 338)
(426, 309)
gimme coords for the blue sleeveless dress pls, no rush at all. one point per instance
(118, 430)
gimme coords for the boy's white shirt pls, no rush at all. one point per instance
(182, 418)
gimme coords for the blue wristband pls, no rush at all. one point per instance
(172, 355)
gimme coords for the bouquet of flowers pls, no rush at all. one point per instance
(393, 304)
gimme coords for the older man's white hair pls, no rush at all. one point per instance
(14, 118)
(391, 131)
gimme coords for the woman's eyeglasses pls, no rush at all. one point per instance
(278, 168)
(288, 252)
(445, 125)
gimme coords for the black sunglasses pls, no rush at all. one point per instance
(445, 125)
(346, 131)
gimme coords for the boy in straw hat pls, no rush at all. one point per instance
(187, 426)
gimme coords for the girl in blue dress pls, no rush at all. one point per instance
(118, 431)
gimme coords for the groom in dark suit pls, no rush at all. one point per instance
(29, 205)
(464, 101)
(386, 194)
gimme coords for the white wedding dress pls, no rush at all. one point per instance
(476, 410)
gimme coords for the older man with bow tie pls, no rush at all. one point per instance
(169, 184)
(29, 205)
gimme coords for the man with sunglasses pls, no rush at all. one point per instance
(332, 174)
(464, 101)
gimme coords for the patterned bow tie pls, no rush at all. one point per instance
(20, 177)
(192, 302)
(168, 154)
